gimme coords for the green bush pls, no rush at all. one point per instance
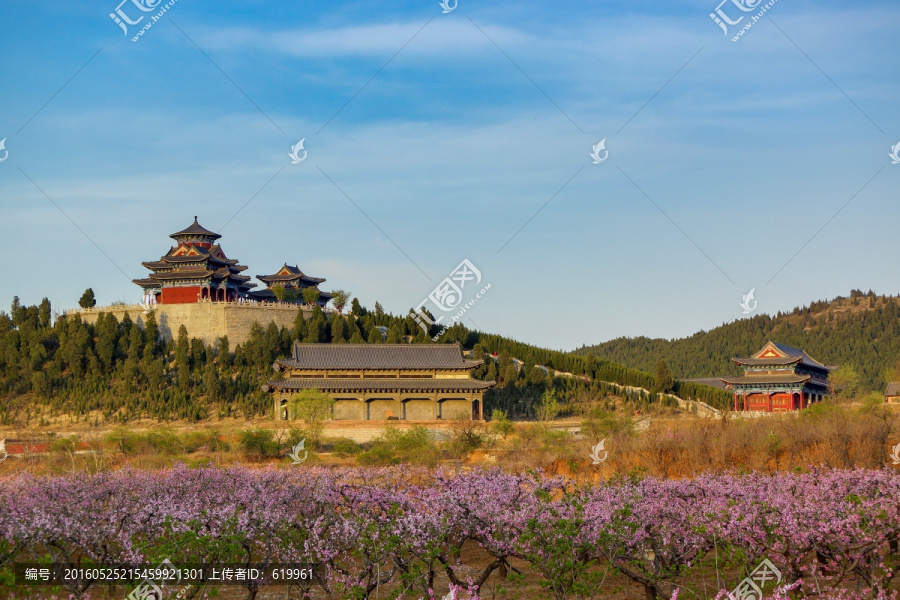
(500, 423)
(125, 442)
(258, 443)
(415, 445)
(209, 441)
(345, 447)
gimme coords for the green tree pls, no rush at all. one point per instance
(87, 299)
(500, 423)
(664, 382)
(279, 292)
(314, 407)
(375, 336)
(44, 311)
(844, 382)
(311, 295)
(548, 407)
(340, 298)
(337, 329)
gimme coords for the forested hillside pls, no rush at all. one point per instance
(116, 371)
(861, 332)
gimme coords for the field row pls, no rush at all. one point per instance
(406, 532)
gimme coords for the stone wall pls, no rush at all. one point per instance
(207, 321)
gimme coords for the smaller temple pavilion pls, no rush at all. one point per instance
(193, 270)
(778, 378)
(294, 281)
(373, 382)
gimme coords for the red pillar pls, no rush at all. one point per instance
(769, 397)
(735, 402)
(802, 400)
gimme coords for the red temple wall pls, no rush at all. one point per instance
(179, 295)
(781, 402)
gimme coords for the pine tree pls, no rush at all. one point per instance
(44, 311)
(87, 299)
(664, 380)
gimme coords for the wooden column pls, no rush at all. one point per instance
(735, 402)
(769, 397)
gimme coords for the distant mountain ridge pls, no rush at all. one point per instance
(862, 331)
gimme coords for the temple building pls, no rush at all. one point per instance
(193, 270)
(294, 281)
(374, 382)
(778, 378)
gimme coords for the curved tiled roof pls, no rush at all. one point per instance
(789, 355)
(775, 379)
(378, 356)
(195, 230)
(385, 385)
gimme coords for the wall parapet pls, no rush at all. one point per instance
(207, 321)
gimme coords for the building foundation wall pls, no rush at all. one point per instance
(207, 321)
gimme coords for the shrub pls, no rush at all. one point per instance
(500, 423)
(258, 443)
(314, 407)
(414, 445)
(345, 447)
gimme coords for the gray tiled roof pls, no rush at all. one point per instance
(893, 389)
(792, 355)
(378, 356)
(196, 229)
(400, 385)
(767, 378)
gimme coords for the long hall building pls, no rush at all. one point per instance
(374, 382)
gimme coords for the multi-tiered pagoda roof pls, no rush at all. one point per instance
(197, 268)
(778, 377)
(290, 278)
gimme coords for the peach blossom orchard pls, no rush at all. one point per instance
(831, 533)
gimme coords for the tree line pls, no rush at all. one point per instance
(118, 371)
(861, 334)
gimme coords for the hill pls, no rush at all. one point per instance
(862, 332)
(116, 371)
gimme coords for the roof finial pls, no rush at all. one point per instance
(195, 218)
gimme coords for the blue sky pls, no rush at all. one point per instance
(433, 138)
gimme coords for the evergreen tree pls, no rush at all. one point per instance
(44, 311)
(664, 380)
(87, 299)
(337, 329)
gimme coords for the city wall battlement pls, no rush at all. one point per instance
(207, 321)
